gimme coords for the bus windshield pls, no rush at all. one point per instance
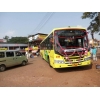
(72, 38)
(71, 32)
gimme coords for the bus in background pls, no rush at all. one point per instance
(66, 47)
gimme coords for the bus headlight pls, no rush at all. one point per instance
(59, 61)
(88, 58)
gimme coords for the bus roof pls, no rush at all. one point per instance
(69, 27)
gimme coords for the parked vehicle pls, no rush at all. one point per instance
(9, 58)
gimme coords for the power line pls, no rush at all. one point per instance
(41, 22)
(46, 21)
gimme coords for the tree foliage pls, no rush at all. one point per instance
(18, 40)
(94, 26)
(6, 38)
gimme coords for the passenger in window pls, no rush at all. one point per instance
(51, 40)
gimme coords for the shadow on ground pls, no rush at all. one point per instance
(18, 66)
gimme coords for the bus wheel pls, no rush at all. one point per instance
(49, 62)
(23, 63)
(2, 68)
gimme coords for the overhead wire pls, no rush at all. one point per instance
(45, 21)
(42, 21)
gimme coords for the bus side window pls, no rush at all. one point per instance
(51, 41)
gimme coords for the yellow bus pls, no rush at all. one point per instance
(66, 47)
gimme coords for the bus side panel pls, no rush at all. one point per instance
(48, 55)
(42, 53)
(51, 57)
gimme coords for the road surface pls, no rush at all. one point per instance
(38, 73)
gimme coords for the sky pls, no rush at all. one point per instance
(27, 23)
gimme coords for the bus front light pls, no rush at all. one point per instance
(59, 61)
(88, 58)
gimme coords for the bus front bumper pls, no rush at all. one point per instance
(74, 64)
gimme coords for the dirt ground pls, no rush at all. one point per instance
(38, 73)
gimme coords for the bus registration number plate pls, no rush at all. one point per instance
(74, 64)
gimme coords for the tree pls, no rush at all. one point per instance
(18, 40)
(99, 22)
(6, 38)
(94, 26)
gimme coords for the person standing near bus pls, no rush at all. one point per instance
(38, 51)
(94, 52)
(27, 54)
